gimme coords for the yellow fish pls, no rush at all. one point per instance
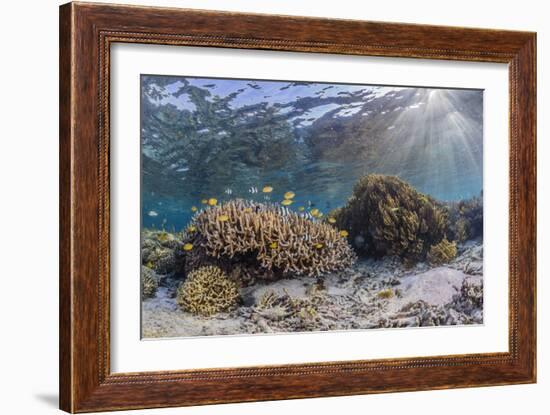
(301, 208)
(343, 234)
(267, 189)
(187, 247)
(314, 211)
(223, 218)
(193, 208)
(331, 220)
(286, 202)
(212, 201)
(318, 246)
(204, 201)
(320, 214)
(191, 228)
(273, 245)
(289, 195)
(149, 265)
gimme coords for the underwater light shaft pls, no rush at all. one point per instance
(223, 139)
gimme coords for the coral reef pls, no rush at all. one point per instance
(387, 216)
(159, 251)
(149, 282)
(265, 241)
(442, 252)
(466, 219)
(207, 291)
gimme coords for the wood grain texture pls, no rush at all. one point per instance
(86, 33)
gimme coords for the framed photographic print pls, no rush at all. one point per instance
(260, 207)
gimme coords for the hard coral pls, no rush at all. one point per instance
(442, 252)
(149, 282)
(389, 217)
(271, 239)
(207, 291)
(467, 219)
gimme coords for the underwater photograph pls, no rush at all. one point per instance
(276, 206)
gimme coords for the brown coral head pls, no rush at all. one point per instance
(392, 218)
(207, 291)
(279, 239)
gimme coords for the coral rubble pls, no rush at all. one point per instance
(265, 241)
(387, 216)
(207, 291)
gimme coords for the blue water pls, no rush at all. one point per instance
(208, 138)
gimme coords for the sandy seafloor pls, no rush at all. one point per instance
(371, 294)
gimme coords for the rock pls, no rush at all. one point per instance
(436, 286)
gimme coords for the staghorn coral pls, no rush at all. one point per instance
(149, 282)
(207, 291)
(266, 241)
(387, 216)
(442, 252)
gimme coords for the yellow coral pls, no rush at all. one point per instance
(253, 228)
(442, 252)
(207, 291)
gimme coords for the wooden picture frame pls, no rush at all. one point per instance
(86, 33)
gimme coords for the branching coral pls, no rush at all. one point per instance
(207, 291)
(466, 219)
(272, 239)
(389, 217)
(149, 282)
(442, 252)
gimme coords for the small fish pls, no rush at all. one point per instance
(191, 228)
(223, 218)
(153, 214)
(394, 209)
(204, 201)
(267, 189)
(187, 247)
(253, 190)
(193, 209)
(301, 208)
(320, 214)
(273, 245)
(286, 202)
(212, 201)
(318, 246)
(314, 211)
(331, 220)
(228, 191)
(343, 234)
(289, 195)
